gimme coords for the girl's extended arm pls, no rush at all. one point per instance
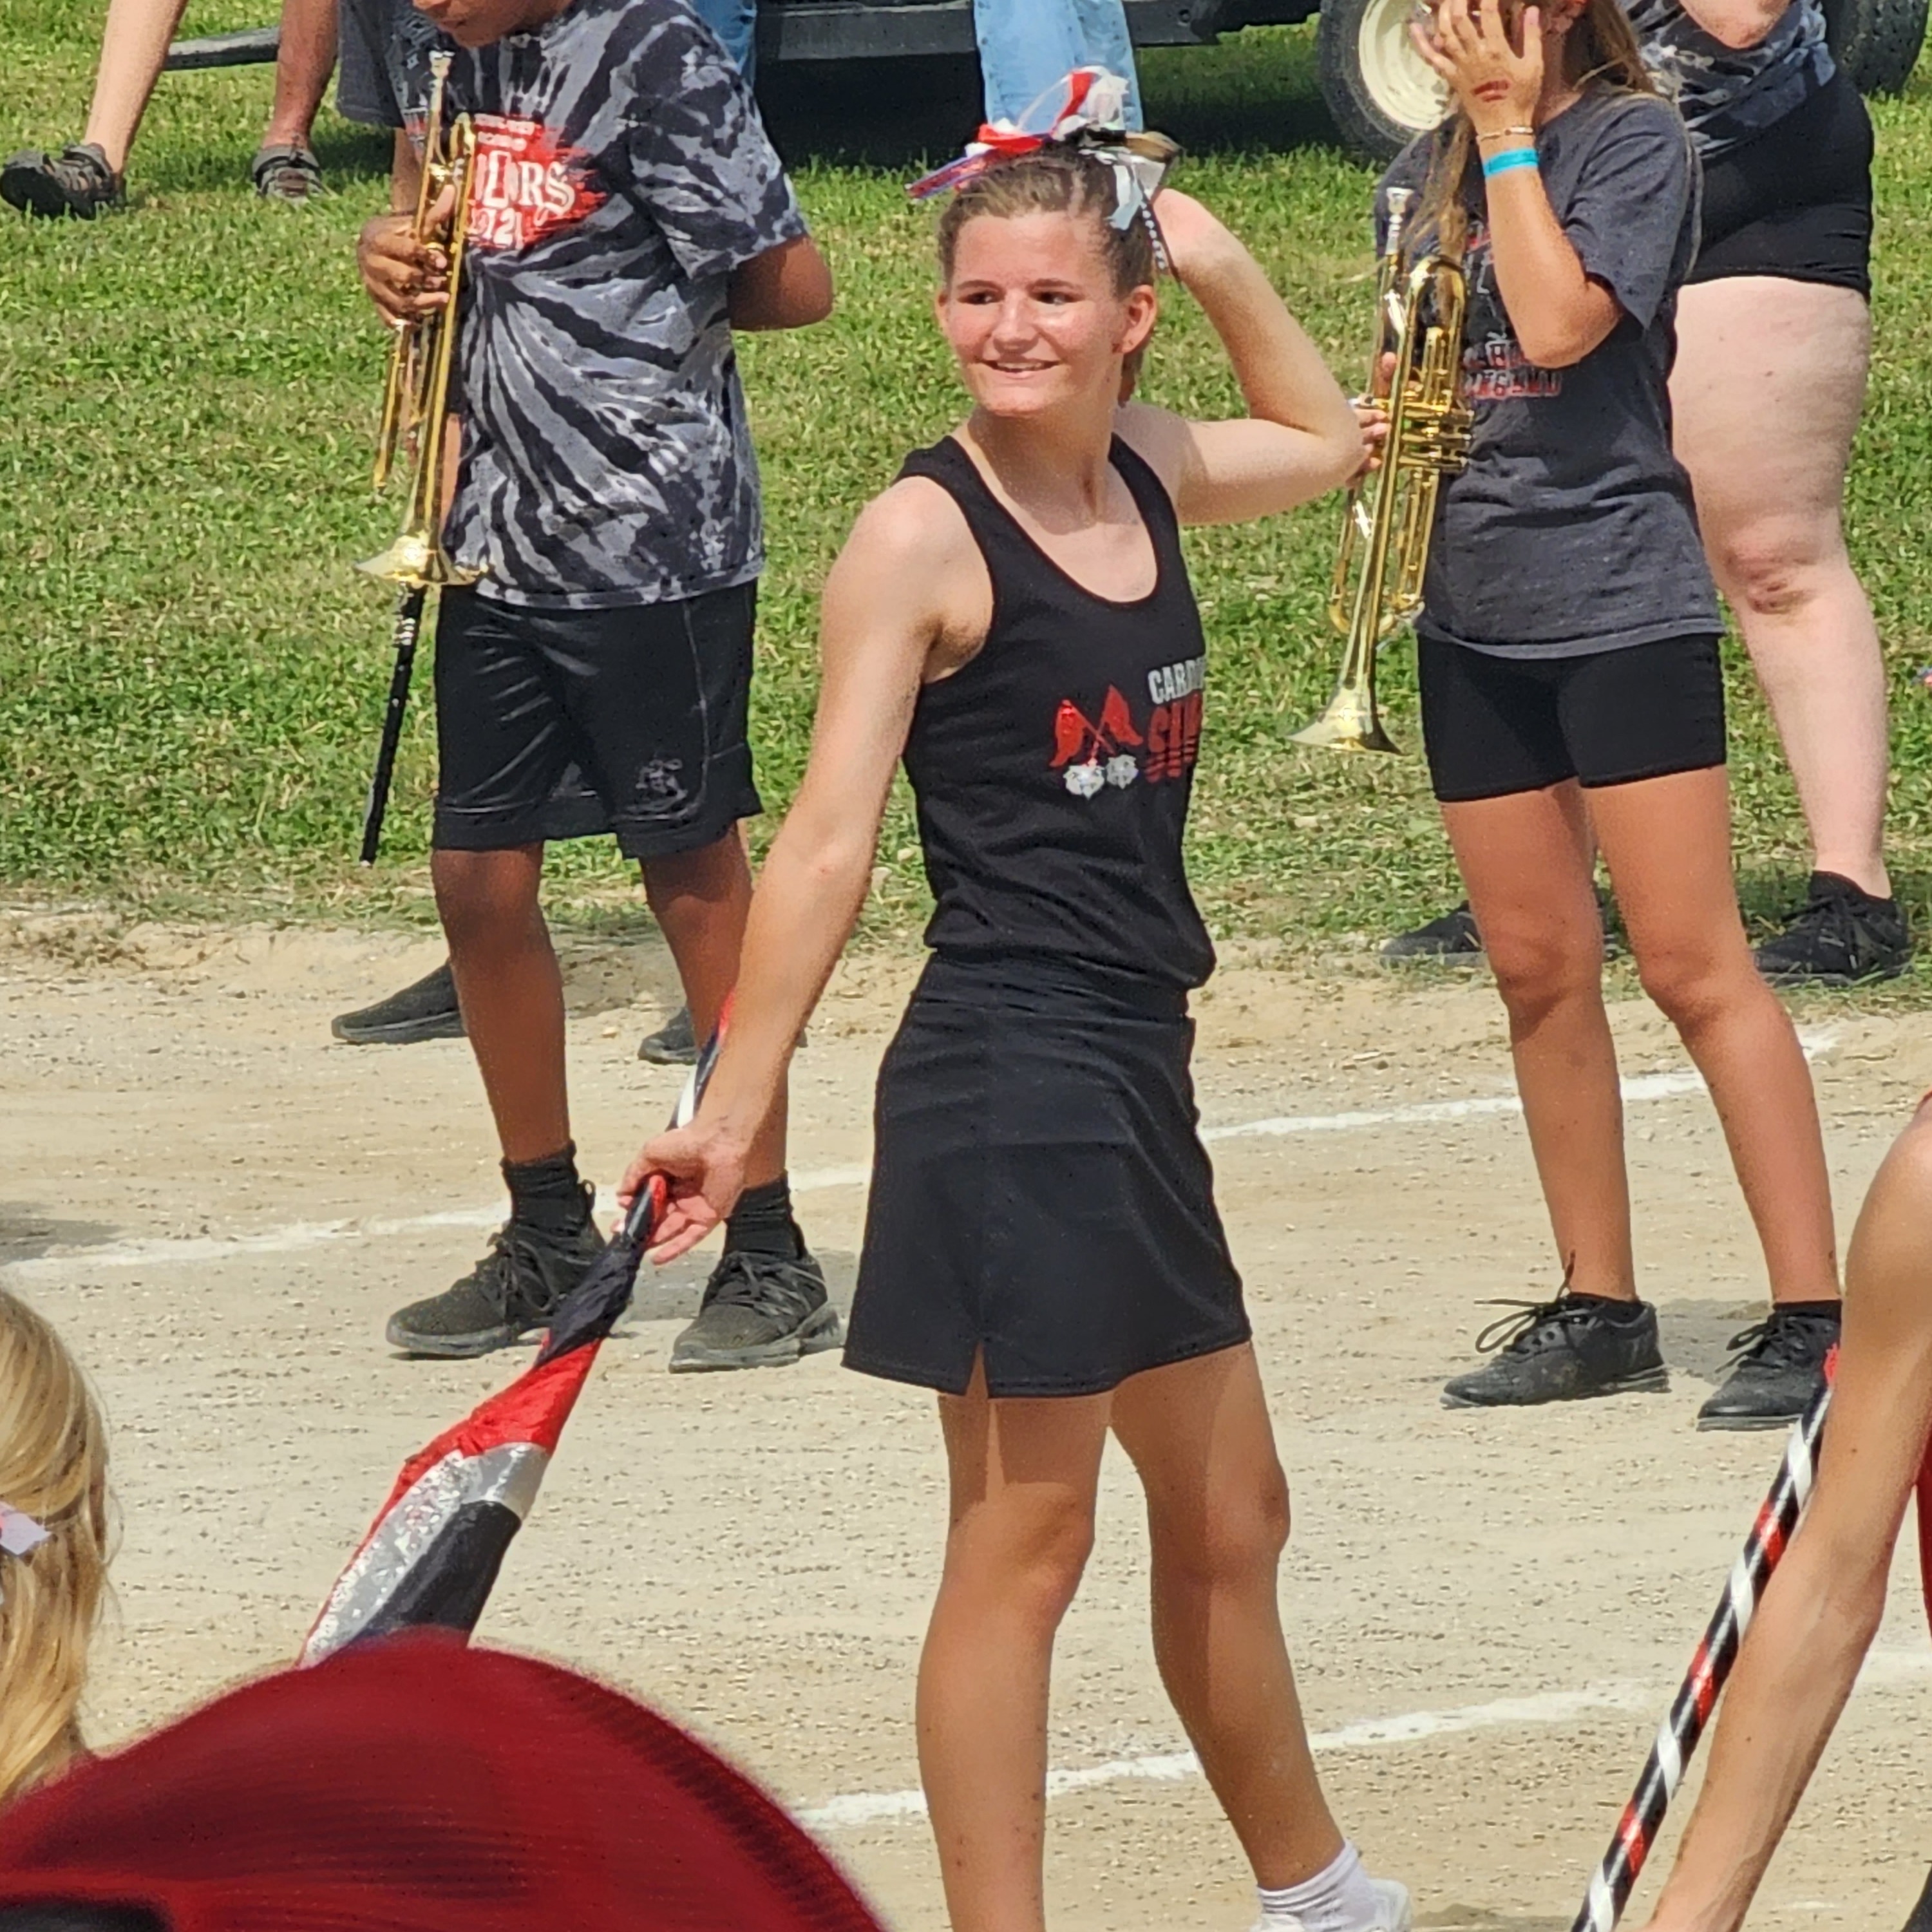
(1558, 313)
(881, 615)
(1300, 438)
(1822, 1607)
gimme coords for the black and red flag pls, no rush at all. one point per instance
(432, 1555)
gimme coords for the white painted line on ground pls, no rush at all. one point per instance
(1555, 1707)
(171, 1251)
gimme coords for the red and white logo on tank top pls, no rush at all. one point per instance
(526, 183)
(1091, 754)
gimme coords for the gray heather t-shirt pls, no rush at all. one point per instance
(1727, 94)
(1571, 530)
(623, 173)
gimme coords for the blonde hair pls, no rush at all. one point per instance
(1601, 49)
(53, 1467)
(1055, 181)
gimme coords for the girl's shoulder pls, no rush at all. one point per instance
(1622, 113)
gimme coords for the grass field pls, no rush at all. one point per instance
(191, 676)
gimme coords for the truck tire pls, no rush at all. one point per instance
(1379, 93)
(1876, 42)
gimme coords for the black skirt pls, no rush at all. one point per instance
(1040, 1195)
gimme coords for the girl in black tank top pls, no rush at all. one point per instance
(1013, 617)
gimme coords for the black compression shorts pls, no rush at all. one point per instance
(1796, 201)
(1494, 726)
(648, 702)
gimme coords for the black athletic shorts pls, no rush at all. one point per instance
(648, 702)
(1794, 201)
(1496, 726)
(1040, 1197)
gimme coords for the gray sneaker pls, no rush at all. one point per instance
(513, 1290)
(758, 1312)
(1779, 1367)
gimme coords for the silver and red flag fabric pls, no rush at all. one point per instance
(432, 1555)
(1677, 1738)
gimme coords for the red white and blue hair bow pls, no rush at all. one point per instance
(1086, 112)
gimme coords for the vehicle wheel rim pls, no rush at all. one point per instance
(1405, 92)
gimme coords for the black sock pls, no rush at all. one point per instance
(547, 1195)
(761, 1223)
(1609, 1306)
(1829, 1310)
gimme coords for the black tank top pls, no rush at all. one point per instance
(1052, 772)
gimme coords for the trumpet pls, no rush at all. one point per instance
(415, 412)
(1390, 513)
(416, 392)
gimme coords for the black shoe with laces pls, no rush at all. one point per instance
(1561, 1351)
(1840, 936)
(77, 181)
(426, 1010)
(758, 1312)
(1453, 936)
(1779, 1367)
(513, 1289)
(674, 1044)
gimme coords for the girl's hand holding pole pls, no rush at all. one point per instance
(703, 1168)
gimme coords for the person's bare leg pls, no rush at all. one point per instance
(1667, 842)
(303, 64)
(700, 900)
(1200, 1438)
(1023, 1475)
(134, 43)
(511, 991)
(1766, 394)
(1527, 863)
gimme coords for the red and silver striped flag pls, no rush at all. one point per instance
(432, 1555)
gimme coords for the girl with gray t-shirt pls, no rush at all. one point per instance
(1568, 646)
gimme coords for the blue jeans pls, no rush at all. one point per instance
(735, 23)
(1025, 46)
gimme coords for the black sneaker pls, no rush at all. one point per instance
(1777, 1370)
(515, 1288)
(1840, 937)
(1560, 1351)
(1453, 936)
(673, 1044)
(77, 181)
(426, 1010)
(758, 1312)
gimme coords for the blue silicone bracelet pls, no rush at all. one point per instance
(1509, 158)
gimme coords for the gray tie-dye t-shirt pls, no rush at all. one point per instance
(622, 174)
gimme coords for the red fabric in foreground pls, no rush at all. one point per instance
(417, 1786)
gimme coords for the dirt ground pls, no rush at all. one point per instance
(220, 1206)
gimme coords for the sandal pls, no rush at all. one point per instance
(286, 172)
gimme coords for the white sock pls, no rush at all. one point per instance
(1339, 1898)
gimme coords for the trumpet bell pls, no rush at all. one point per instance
(418, 562)
(1350, 724)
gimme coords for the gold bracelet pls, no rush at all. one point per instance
(1507, 134)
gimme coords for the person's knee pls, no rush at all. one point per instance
(1025, 1563)
(1775, 568)
(1539, 968)
(485, 899)
(718, 871)
(1233, 1541)
(1692, 985)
